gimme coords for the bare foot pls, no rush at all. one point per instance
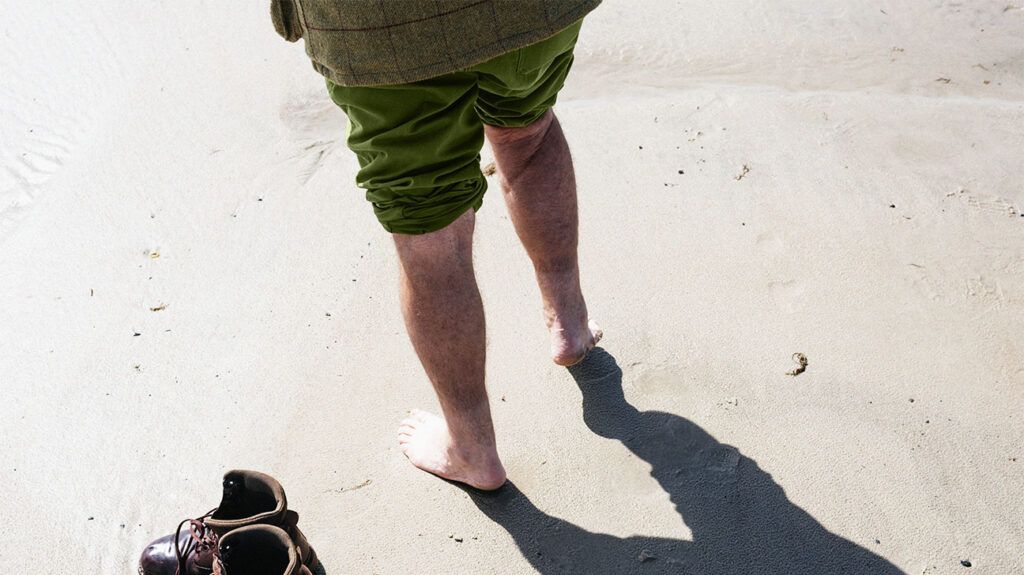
(569, 347)
(425, 440)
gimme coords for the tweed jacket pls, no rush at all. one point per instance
(375, 42)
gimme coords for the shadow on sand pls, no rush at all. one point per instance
(740, 519)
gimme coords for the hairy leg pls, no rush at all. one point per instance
(540, 189)
(445, 320)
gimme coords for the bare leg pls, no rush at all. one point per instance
(445, 320)
(540, 189)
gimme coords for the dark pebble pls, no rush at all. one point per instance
(965, 563)
(892, 205)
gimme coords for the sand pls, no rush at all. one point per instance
(190, 282)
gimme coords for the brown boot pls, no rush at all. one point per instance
(258, 550)
(249, 498)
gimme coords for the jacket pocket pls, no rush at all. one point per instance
(286, 19)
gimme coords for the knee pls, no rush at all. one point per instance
(438, 253)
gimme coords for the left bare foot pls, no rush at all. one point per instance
(427, 443)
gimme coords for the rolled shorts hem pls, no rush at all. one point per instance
(407, 225)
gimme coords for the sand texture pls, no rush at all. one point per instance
(190, 282)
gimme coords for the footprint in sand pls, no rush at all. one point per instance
(317, 126)
(770, 244)
(786, 294)
(986, 202)
(985, 291)
(30, 154)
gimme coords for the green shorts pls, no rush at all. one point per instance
(419, 144)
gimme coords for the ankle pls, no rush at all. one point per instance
(471, 435)
(564, 308)
(567, 321)
(472, 451)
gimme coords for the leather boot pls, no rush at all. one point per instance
(258, 550)
(249, 498)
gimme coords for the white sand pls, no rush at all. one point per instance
(129, 129)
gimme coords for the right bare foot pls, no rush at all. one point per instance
(570, 346)
(427, 443)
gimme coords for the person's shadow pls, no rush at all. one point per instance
(740, 519)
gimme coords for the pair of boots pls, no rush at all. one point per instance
(251, 532)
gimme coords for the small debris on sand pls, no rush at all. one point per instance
(943, 80)
(160, 307)
(353, 488)
(360, 486)
(729, 401)
(645, 556)
(801, 367)
(965, 562)
(490, 169)
(743, 173)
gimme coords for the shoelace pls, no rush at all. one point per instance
(202, 538)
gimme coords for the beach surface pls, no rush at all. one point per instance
(190, 282)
